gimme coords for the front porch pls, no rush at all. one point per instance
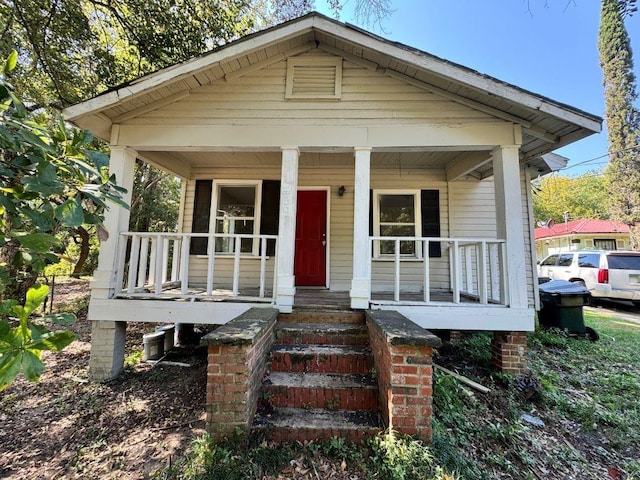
(158, 278)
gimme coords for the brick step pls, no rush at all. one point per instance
(295, 424)
(325, 316)
(321, 359)
(320, 390)
(321, 333)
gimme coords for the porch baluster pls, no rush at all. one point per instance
(158, 268)
(122, 253)
(425, 258)
(504, 290)
(211, 259)
(152, 261)
(133, 263)
(468, 268)
(165, 259)
(263, 265)
(396, 288)
(456, 271)
(482, 273)
(236, 265)
(175, 260)
(184, 269)
(144, 256)
(494, 277)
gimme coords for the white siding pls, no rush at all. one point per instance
(258, 98)
(332, 170)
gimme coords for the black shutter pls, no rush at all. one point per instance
(270, 212)
(430, 207)
(201, 216)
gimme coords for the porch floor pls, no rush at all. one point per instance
(305, 298)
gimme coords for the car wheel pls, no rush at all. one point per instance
(591, 334)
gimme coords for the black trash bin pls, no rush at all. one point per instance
(561, 307)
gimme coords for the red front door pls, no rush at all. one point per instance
(311, 238)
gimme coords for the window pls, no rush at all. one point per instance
(589, 260)
(605, 243)
(565, 260)
(550, 261)
(235, 207)
(395, 215)
(236, 213)
(412, 213)
(624, 262)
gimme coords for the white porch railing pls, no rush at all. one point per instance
(156, 265)
(476, 270)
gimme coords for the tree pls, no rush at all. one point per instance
(147, 214)
(582, 197)
(51, 181)
(73, 49)
(622, 117)
(368, 12)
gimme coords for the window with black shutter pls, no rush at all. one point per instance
(236, 212)
(410, 213)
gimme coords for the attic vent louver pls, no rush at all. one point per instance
(319, 78)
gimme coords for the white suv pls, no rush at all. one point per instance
(613, 274)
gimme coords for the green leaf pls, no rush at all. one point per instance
(11, 62)
(31, 365)
(70, 213)
(60, 318)
(5, 330)
(38, 242)
(35, 296)
(9, 369)
(54, 341)
(46, 181)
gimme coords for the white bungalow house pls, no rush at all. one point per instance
(322, 163)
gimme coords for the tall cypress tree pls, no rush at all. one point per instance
(622, 117)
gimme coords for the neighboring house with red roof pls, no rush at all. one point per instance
(579, 234)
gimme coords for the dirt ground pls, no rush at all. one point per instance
(67, 427)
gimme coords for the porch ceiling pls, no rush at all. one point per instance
(546, 124)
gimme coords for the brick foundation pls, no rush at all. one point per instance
(509, 352)
(108, 340)
(403, 359)
(237, 355)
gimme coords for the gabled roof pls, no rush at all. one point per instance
(581, 227)
(547, 124)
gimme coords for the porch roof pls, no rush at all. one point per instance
(547, 124)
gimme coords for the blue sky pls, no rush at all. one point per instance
(552, 51)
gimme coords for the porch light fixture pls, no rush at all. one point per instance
(341, 190)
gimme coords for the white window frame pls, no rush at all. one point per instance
(214, 217)
(417, 221)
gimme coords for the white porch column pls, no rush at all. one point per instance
(116, 220)
(510, 225)
(108, 338)
(361, 281)
(285, 254)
